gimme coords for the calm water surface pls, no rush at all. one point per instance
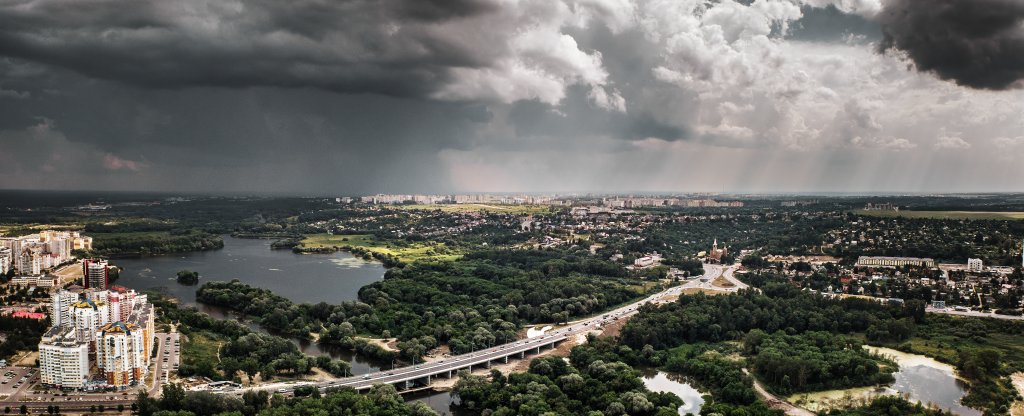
(928, 381)
(440, 401)
(660, 381)
(311, 278)
(919, 379)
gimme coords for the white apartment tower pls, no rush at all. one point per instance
(30, 262)
(90, 316)
(63, 358)
(61, 303)
(5, 259)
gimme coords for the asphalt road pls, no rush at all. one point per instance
(950, 311)
(83, 401)
(481, 357)
(166, 349)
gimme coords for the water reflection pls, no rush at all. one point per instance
(440, 401)
(919, 379)
(660, 381)
(330, 278)
(360, 364)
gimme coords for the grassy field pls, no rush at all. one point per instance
(200, 352)
(16, 230)
(406, 253)
(643, 287)
(946, 215)
(944, 348)
(512, 209)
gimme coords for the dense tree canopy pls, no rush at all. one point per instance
(477, 301)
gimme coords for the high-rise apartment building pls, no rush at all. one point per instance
(114, 327)
(63, 358)
(90, 316)
(5, 259)
(97, 274)
(61, 303)
(121, 354)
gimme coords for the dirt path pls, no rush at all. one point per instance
(388, 344)
(1018, 382)
(775, 403)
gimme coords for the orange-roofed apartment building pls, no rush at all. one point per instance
(121, 354)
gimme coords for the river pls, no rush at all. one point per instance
(660, 381)
(919, 379)
(311, 278)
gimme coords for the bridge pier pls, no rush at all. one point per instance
(522, 355)
(407, 384)
(538, 349)
(506, 359)
(449, 373)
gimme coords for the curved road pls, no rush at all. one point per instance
(397, 375)
(481, 357)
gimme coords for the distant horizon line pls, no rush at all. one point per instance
(554, 193)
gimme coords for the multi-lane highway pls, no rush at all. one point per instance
(451, 365)
(419, 373)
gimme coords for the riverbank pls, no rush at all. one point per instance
(919, 379)
(391, 253)
(1018, 383)
(774, 402)
(331, 278)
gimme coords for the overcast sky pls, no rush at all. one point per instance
(366, 96)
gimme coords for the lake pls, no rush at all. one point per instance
(919, 379)
(331, 278)
(660, 381)
(311, 278)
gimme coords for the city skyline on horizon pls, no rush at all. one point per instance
(101, 193)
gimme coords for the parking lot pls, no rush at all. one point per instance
(13, 379)
(168, 356)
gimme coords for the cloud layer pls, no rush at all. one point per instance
(459, 50)
(317, 96)
(976, 43)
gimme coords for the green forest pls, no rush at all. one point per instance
(553, 385)
(796, 341)
(479, 300)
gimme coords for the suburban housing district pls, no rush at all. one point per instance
(578, 264)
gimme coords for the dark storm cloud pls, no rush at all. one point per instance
(976, 43)
(93, 133)
(433, 10)
(394, 47)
